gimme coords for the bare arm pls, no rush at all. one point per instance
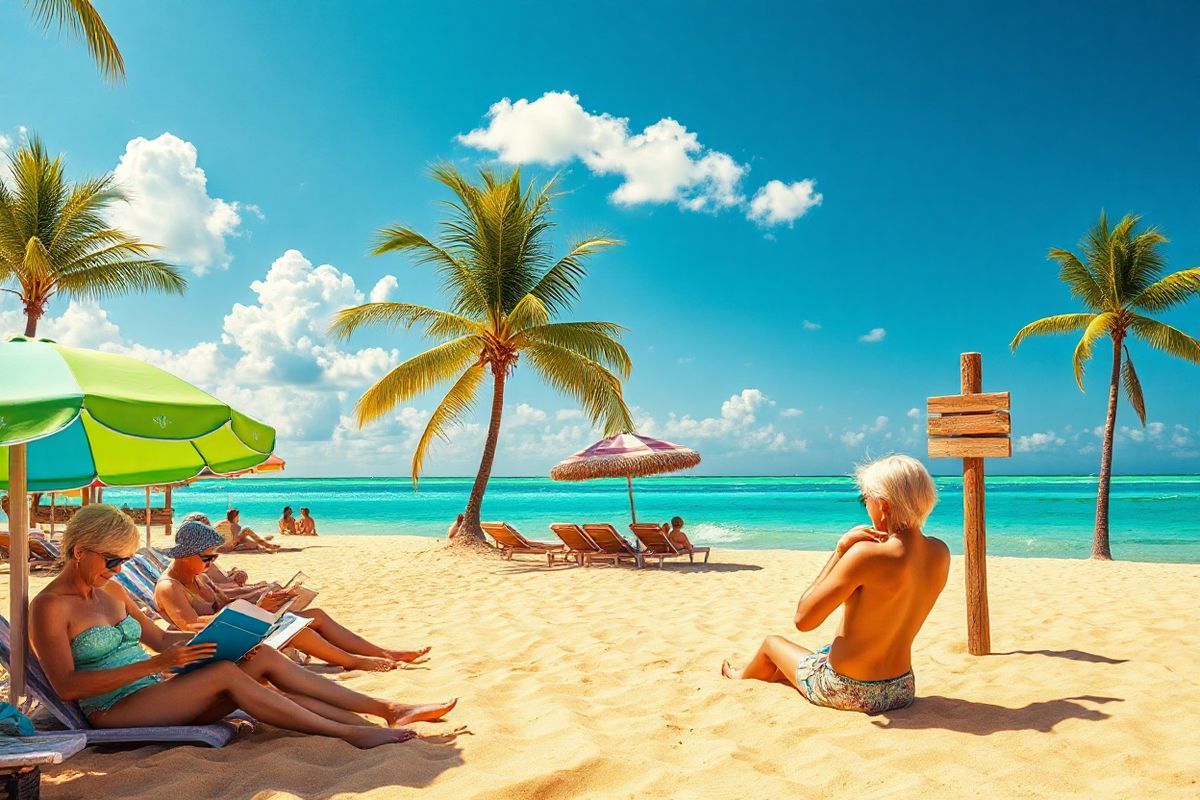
(836, 581)
(173, 604)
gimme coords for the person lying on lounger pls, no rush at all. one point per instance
(185, 597)
(674, 532)
(88, 635)
(888, 576)
(241, 538)
(306, 525)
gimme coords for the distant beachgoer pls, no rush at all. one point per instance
(454, 526)
(306, 525)
(241, 538)
(189, 600)
(888, 576)
(674, 532)
(89, 636)
(287, 523)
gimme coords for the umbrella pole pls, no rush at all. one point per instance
(18, 569)
(147, 517)
(632, 511)
(52, 496)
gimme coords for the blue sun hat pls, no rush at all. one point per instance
(194, 538)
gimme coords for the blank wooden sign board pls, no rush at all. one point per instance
(972, 426)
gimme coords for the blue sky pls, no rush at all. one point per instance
(949, 148)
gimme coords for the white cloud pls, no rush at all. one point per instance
(736, 426)
(779, 202)
(1038, 442)
(881, 423)
(564, 414)
(914, 413)
(873, 335)
(169, 204)
(664, 163)
(383, 289)
(811, 326)
(853, 438)
(526, 415)
(791, 412)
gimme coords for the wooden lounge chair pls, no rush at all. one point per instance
(659, 545)
(613, 546)
(71, 716)
(578, 544)
(510, 541)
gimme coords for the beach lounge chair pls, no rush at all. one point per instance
(70, 716)
(40, 556)
(578, 544)
(139, 588)
(22, 757)
(613, 546)
(510, 541)
(657, 544)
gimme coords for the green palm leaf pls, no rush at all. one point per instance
(437, 323)
(81, 19)
(1100, 325)
(455, 406)
(559, 287)
(1166, 338)
(417, 375)
(1133, 388)
(1061, 323)
(596, 341)
(1169, 291)
(596, 389)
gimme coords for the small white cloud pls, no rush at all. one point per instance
(383, 289)
(1038, 442)
(853, 438)
(811, 326)
(914, 413)
(791, 412)
(687, 359)
(881, 422)
(873, 335)
(779, 202)
(565, 414)
(525, 415)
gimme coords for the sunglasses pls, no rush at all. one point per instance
(113, 563)
(208, 559)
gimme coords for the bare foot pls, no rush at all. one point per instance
(372, 664)
(406, 656)
(403, 715)
(367, 738)
(730, 671)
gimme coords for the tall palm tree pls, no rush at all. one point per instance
(54, 238)
(81, 19)
(504, 289)
(1119, 279)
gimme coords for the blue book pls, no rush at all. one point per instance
(241, 626)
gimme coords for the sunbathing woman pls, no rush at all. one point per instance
(243, 538)
(888, 576)
(185, 597)
(87, 634)
(287, 522)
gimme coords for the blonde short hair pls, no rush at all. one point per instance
(905, 484)
(101, 528)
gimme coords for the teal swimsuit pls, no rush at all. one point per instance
(108, 647)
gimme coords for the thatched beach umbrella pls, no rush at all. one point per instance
(72, 417)
(626, 455)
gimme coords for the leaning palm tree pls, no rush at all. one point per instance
(81, 19)
(1119, 279)
(54, 238)
(504, 289)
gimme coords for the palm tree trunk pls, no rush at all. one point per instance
(31, 321)
(1100, 549)
(471, 532)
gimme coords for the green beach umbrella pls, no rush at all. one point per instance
(70, 416)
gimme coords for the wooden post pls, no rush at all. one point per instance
(18, 569)
(979, 636)
(147, 517)
(632, 512)
(52, 512)
(170, 513)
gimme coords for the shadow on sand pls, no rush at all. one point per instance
(984, 719)
(1073, 655)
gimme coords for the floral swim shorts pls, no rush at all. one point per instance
(822, 686)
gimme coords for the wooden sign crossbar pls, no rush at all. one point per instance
(972, 426)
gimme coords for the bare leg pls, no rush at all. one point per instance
(185, 699)
(269, 664)
(776, 662)
(312, 642)
(327, 711)
(341, 636)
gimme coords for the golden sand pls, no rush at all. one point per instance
(604, 683)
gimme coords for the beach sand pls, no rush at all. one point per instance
(605, 683)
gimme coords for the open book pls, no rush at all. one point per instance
(304, 594)
(241, 626)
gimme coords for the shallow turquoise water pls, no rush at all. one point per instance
(1153, 518)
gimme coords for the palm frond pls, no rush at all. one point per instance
(106, 278)
(1133, 388)
(416, 375)
(596, 389)
(1100, 325)
(528, 313)
(1060, 323)
(81, 19)
(596, 341)
(1166, 338)
(1169, 291)
(558, 288)
(437, 323)
(455, 406)
(467, 295)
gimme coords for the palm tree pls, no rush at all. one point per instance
(504, 289)
(54, 238)
(81, 19)
(1119, 279)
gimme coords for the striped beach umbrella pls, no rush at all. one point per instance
(628, 456)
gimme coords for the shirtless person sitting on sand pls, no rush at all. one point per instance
(888, 576)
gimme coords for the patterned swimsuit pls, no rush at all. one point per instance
(821, 685)
(108, 647)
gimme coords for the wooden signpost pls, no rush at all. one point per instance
(972, 426)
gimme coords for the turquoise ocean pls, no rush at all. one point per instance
(1153, 518)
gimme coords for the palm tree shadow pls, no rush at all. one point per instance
(984, 719)
(1073, 655)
